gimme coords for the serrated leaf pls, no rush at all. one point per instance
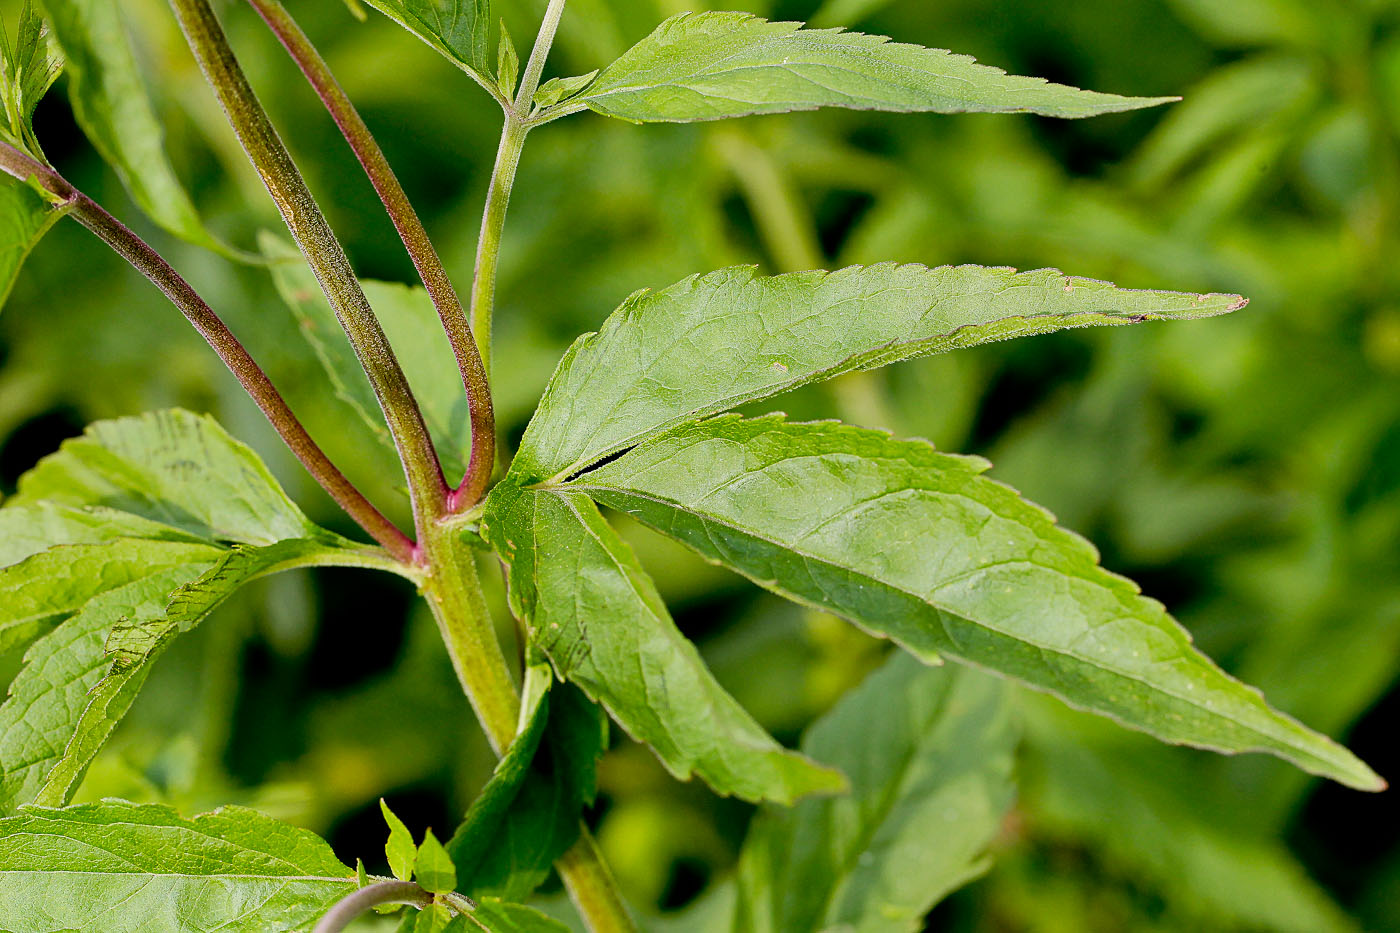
(590, 607)
(529, 812)
(116, 867)
(507, 63)
(930, 756)
(709, 66)
(559, 89)
(29, 65)
(457, 29)
(400, 850)
(411, 323)
(173, 467)
(111, 105)
(921, 547)
(25, 216)
(434, 870)
(122, 543)
(713, 342)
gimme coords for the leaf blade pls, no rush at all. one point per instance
(592, 610)
(920, 547)
(715, 65)
(456, 29)
(930, 755)
(709, 343)
(116, 867)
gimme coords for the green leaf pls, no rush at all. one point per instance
(529, 812)
(559, 89)
(120, 543)
(116, 867)
(507, 63)
(400, 849)
(712, 342)
(434, 869)
(29, 65)
(457, 29)
(709, 66)
(173, 467)
(930, 753)
(411, 323)
(111, 105)
(435, 918)
(590, 607)
(497, 916)
(25, 216)
(921, 547)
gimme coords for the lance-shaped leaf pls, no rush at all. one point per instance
(29, 64)
(116, 867)
(458, 29)
(121, 543)
(111, 105)
(929, 754)
(173, 467)
(708, 66)
(593, 611)
(499, 917)
(712, 342)
(412, 325)
(921, 547)
(133, 643)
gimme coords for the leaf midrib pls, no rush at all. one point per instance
(1189, 701)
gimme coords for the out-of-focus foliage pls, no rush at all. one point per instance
(1246, 470)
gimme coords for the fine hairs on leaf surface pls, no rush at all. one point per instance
(134, 533)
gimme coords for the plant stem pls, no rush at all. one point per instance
(369, 897)
(251, 376)
(427, 488)
(415, 240)
(453, 590)
(493, 219)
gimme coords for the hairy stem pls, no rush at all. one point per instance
(369, 897)
(454, 592)
(323, 252)
(493, 220)
(415, 240)
(251, 376)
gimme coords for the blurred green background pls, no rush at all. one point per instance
(1246, 470)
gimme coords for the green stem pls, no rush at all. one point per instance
(415, 240)
(493, 219)
(453, 590)
(427, 488)
(233, 354)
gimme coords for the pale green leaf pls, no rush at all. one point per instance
(457, 29)
(507, 63)
(435, 918)
(115, 867)
(560, 89)
(47, 697)
(712, 342)
(44, 588)
(921, 547)
(412, 325)
(29, 65)
(140, 637)
(591, 608)
(173, 467)
(28, 529)
(112, 107)
(119, 543)
(400, 849)
(434, 870)
(496, 916)
(709, 66)
(25, 216)
(929, 752)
